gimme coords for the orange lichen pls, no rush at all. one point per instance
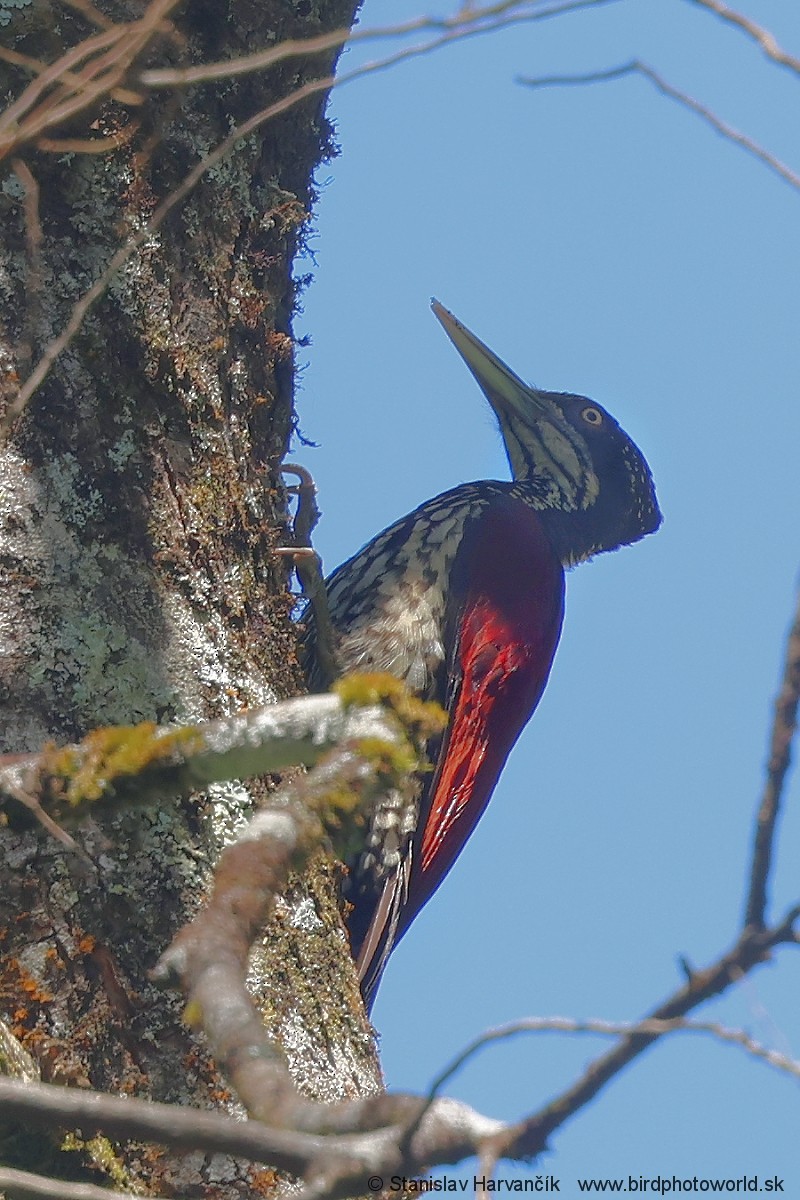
(265, 1181)
(37, 994)
(280, 346)
(35, 1041)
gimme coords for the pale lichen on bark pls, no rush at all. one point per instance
(139, 505)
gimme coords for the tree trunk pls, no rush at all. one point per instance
(140, 504)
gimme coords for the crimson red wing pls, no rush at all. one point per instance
(506, 605)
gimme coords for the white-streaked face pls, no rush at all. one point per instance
(544, 447)
(572, 452)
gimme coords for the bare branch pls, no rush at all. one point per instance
(334, 1148)
(494, 17)
(760, 35)
(635, 67)
(65, 76)
(92, 14)
(22, 1185)
(467, 22)
(720, 1033)
(108, 57)
(48, 1106)
(753, 948)
(11, 120)
(208, 958)
(334, 1166)
(780, 753)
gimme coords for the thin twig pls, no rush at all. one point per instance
(83, 75)
(36, 67)
(98, 78)
(100, 145)
(23, 1185)
(721, 1033)
(164, 1124)
(636, 1037)
(62, 69)
(753, 947)
(760, 35)
(88, 10)
(465, 23)
(83, 306)
(635, 67)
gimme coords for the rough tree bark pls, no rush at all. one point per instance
(139, 507)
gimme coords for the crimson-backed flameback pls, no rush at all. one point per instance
(463, 599)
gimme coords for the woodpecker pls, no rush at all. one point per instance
(463, 599)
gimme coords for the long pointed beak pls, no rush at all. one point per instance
(504, 390)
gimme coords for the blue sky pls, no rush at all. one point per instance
(604, 241)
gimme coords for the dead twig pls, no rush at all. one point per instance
(88, 10)
(761, 36)
(466, 22)
(81, 77)
(780, 754)
(208, 958)
(24, 1185)
(721, 1033)
(478, 21)
(635, 67)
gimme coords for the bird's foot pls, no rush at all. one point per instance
(308, 567)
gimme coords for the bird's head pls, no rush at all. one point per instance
(588, 479)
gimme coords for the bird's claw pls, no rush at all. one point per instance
(308, 567)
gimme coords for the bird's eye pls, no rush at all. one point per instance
(592, 416)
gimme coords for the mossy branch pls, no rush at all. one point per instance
(372, 717)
